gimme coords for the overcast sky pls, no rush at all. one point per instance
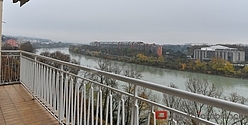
(151, 21)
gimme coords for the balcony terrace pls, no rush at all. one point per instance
(33, 91)
(17, 107)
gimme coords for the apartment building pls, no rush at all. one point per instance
(232, 55)
(140, 46)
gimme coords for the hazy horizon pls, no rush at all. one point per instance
(161, 21)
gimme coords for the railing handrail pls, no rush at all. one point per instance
(230, 106)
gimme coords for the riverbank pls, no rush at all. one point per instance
(215, 67)
(163, 76)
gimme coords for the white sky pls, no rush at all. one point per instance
(151, 21)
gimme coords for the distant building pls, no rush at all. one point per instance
(149, 48)
(232, 55)
(11, 42)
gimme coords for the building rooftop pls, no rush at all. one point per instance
(217, 47)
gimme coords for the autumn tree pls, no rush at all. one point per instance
(142, 58)
(246, 69)
(200, 66)
(221, 66)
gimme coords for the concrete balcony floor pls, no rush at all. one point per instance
(18, 108)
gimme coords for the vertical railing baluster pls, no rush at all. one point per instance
(81, 106)
(77, 109)
(61, 105)
(67, 95)
(92, 104)
(21, 69)
(111, 107)
(101, 111)
(97, 107)
(135, 112)
(123, 109)
(84, 89)
(154, 116)
(53, 91)
(72, 100)
(57, 89)
(42, 82)
(10, 71)
(34, 75)
(107, 110)
(89, 99)
(47, 84)
(38, 80)
(50, 88)
(16, 69)
(118, 112)
(151, 115)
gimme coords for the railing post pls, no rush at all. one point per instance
(21, 66)
(1, 12)
(61, 113)
(34, 78)
(135, 108)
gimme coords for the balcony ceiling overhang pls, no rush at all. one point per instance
(22, 2)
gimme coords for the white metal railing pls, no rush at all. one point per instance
(10, 67)
(74, 99)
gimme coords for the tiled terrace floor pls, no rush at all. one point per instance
(18, 108)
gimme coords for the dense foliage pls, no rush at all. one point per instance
(171, 59)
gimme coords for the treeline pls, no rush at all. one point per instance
(216, 66)
(170, 60)
(27, 46)
(50, 45)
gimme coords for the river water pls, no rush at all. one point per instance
(166, 76)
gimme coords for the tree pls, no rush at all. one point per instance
(200, 66)
(228, 117)
(172, 101)
(194, 85)
(142, 92)
(246, 69)
(210, 113)
(106, 65)
(27, 46)
(221, 66)
(142, 58)
(60, 56)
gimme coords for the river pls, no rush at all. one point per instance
(166, 76)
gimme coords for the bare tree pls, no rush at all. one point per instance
(142, 92)
(194, 85)
(210, 113)
(230, 118)
(106, 65)
(63, 57)
(172, 101)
